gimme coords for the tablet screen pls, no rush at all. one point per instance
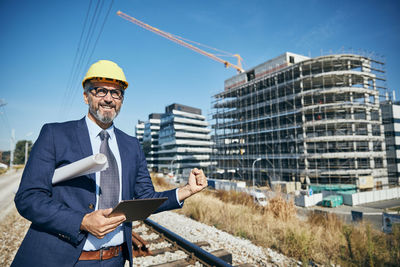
(137, 209)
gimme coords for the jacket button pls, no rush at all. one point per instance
(91, 206)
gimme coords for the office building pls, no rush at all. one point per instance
(184, 140)
(391, 121)
(139, 131)
(150, 140)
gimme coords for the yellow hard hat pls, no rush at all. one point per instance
(105, 70)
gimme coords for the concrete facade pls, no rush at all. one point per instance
(150, 140)
(184, 141)
(177, 140)
(139, 131)
(391, 121)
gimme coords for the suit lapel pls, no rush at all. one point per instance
(83, 138)
(124, 163)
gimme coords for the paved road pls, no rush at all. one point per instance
(8, 185)
(386, 204)
(372, 212)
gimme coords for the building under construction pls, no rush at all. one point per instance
(295, 118)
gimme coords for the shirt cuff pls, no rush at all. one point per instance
(177, 198)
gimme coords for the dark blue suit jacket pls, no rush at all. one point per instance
(56, 212)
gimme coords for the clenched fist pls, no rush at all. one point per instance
(197, 181)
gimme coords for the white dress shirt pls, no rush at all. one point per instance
(116, 237)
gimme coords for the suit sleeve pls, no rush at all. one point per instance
(144, 187)
(34, 197)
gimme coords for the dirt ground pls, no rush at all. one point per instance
(12, 226)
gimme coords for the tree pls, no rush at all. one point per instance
(19, 152)
(5, 157)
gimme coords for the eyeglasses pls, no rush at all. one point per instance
(102, 92)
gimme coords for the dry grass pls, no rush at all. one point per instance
(13, 229)
(323, 238)
(2, 171)
(160, 184)
(18, 167)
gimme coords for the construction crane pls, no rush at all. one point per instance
(179, 40)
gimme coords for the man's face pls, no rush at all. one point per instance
(103, 109)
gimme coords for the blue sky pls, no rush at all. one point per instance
(39, 41)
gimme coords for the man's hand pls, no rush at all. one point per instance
(197, 182)
(98, 224)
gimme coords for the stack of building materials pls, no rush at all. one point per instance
(285, 187)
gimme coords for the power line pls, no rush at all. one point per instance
(82, 48)
(76, 74)
(89, 36)
(100, 32)
(95, 43)
(84, 51)
(69, 83)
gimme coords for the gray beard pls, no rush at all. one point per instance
(96, 113)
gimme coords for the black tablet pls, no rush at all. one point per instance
(137, 209)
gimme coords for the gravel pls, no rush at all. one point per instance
(243, 251)
(13, 228)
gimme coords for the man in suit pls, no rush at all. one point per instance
(70, 222)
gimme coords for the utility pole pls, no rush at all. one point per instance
(26, 147)
(2, 104)
(26, 152)
(12, 147)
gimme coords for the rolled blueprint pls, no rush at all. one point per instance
(91, 164)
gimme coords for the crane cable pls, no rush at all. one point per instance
(224, 53)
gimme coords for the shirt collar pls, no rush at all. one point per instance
(95, 129)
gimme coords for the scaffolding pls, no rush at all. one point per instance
(314, 120)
